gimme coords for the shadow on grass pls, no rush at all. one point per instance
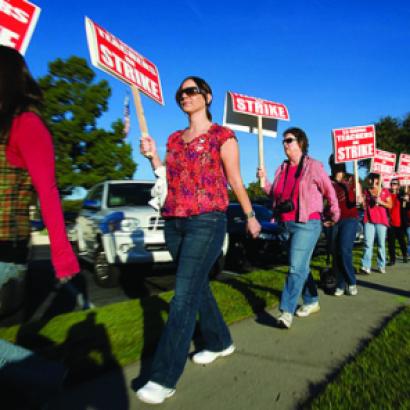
(86, 353)
(257, 304)
(316, 389)
(383, 288)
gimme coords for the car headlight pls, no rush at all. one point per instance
(129, 224)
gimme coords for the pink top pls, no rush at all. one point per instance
(195, 175)
(376, 214)
(314, 185)
(283, 191)
(30, 147)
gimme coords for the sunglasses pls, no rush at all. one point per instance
(394, 183)
(189, 91)
(288, 140)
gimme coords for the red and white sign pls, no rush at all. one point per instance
(404, 179)
(404, 164)
(354, 143)
(383, 162)
(18, 19)
(257, 107)
(110, 54)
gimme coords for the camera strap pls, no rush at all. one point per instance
(297, 175)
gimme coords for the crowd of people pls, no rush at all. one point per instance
(200, 160)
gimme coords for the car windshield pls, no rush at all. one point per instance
(128, 194)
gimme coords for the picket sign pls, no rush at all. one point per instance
(254, 115)
(383, 163)
(354, 144)
(18, 18)
(113, 56)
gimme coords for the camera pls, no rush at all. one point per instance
(284, 207)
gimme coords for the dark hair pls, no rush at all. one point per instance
(300, 136)
(372, 176)
(203, 86)
(19, 92)
(336, 167)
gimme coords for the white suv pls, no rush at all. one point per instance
(117, 227)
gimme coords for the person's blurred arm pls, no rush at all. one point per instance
(36, 149)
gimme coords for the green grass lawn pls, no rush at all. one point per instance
(379, 377)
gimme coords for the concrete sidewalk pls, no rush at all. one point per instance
(272, 368)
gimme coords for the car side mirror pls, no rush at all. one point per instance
(92, 204)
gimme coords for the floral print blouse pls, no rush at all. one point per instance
(195, 174)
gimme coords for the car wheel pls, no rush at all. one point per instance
(106, 275)
(218, 267)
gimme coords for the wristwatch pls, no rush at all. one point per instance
(250, 215)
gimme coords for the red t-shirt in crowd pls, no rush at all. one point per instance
(376, 214)
(195, 174)
(346, 202)
(394, 212)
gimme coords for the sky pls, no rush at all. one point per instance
(334, 64)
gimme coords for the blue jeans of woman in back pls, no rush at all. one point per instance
(344, 235)
(302, 241)
(195, 243)
(372, 232)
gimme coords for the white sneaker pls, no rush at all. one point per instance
(206, 356)
(285, 320)
(352, 290)
(306, 310)
(339, 292)
(364, 270)
(154, 393)
(381, 270)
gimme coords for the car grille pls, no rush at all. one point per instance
(153, 222)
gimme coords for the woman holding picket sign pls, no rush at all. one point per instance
(199, 161)
(297, 191)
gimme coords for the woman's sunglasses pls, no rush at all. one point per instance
(189, 91)
(288, 140)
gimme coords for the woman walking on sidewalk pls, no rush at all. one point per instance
(376, 202)
(344, 231)
(298, 189)
(199, 160)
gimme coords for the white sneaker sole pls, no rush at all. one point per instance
(148, 400)
(228, 351)
(306, 314)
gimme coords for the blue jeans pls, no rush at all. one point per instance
(344, 235)
(194, 243)
(372, 232)
(408, 240)
(302, 242)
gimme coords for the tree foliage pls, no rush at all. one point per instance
(393, 135)
(85, 154)
(255, 193)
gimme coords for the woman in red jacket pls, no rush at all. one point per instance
(396, 229)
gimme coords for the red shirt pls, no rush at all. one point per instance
(195, 174)
(395, 219)
(346, 201)
(376, 214)
(30, 147)
(283, 192)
